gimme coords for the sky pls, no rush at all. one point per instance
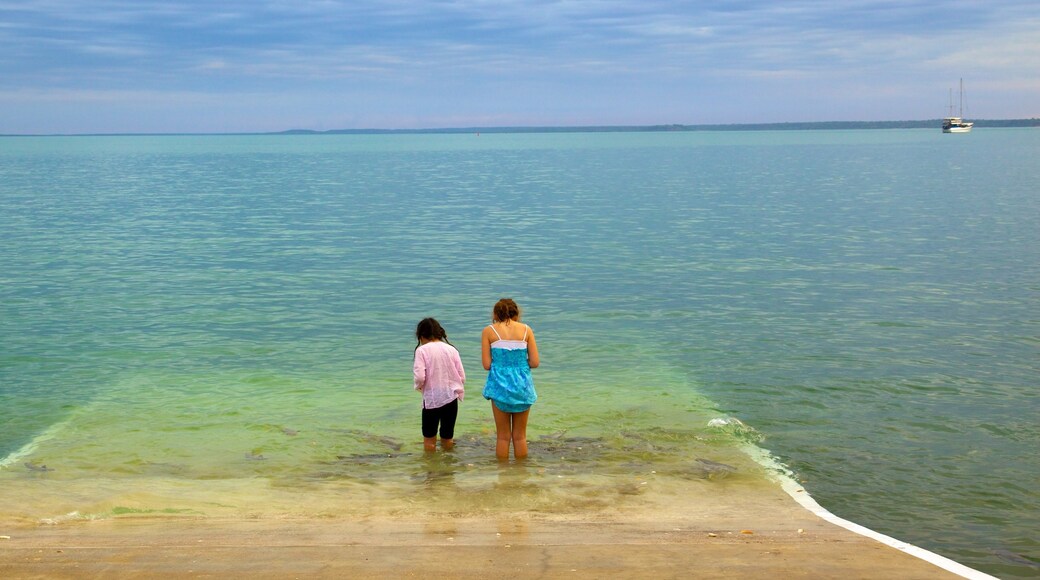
(210, 66)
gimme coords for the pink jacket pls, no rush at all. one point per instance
(438, 374)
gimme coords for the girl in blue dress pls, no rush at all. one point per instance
(509, 352)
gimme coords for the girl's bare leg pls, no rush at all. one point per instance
(447, 444)
(503, 428)
(429, 444)
(519, 434)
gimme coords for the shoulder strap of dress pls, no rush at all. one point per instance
(526, 328)
(492, 327)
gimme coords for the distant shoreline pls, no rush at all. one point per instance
(806, 126)
(815, 125)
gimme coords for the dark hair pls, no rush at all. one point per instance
(430, 329)
(506, 309)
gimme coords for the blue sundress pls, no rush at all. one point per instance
(509, 382)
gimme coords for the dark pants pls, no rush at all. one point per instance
(445, 415)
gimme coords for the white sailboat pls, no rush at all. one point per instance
(957, 124)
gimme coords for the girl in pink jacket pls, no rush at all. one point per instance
(439, 375)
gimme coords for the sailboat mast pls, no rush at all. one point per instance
(952, 124)
(960, 100)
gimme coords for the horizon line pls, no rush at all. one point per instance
(675, 127)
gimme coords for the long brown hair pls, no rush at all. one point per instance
(506, 309)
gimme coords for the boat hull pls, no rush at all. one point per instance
(956, 125)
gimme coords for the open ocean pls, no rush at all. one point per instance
(223, 325)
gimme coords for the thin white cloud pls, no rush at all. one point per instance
(1016, 48)
(123, 50)
(102, 96)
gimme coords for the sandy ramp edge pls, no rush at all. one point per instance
(785, 478)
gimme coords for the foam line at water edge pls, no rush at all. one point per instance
(785, 478)
(30, 447)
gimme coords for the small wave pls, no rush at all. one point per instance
(69, 517)
(722, 422)
(741, 430)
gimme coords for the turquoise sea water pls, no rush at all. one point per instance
(222, 324)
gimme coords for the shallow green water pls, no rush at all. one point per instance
(222, 324)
